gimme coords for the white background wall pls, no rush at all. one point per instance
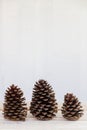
(44, 39)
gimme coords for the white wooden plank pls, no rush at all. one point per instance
(58, 123)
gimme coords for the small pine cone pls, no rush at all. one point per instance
(43, 105)
(71, 109)
(14, 106)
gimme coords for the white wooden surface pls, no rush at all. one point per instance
(58, 123)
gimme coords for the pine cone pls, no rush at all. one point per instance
(43, 105)
(71, 109)
(14, 106)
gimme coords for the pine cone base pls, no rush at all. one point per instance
(74, 118)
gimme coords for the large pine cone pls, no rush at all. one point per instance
(14, 106)
(43, 105)
(71, 109)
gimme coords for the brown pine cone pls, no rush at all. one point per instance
(43, 105)
(14, 106)
(71, 109)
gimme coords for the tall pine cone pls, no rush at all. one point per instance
(43, 105)
(71, 109)
(14, 106)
